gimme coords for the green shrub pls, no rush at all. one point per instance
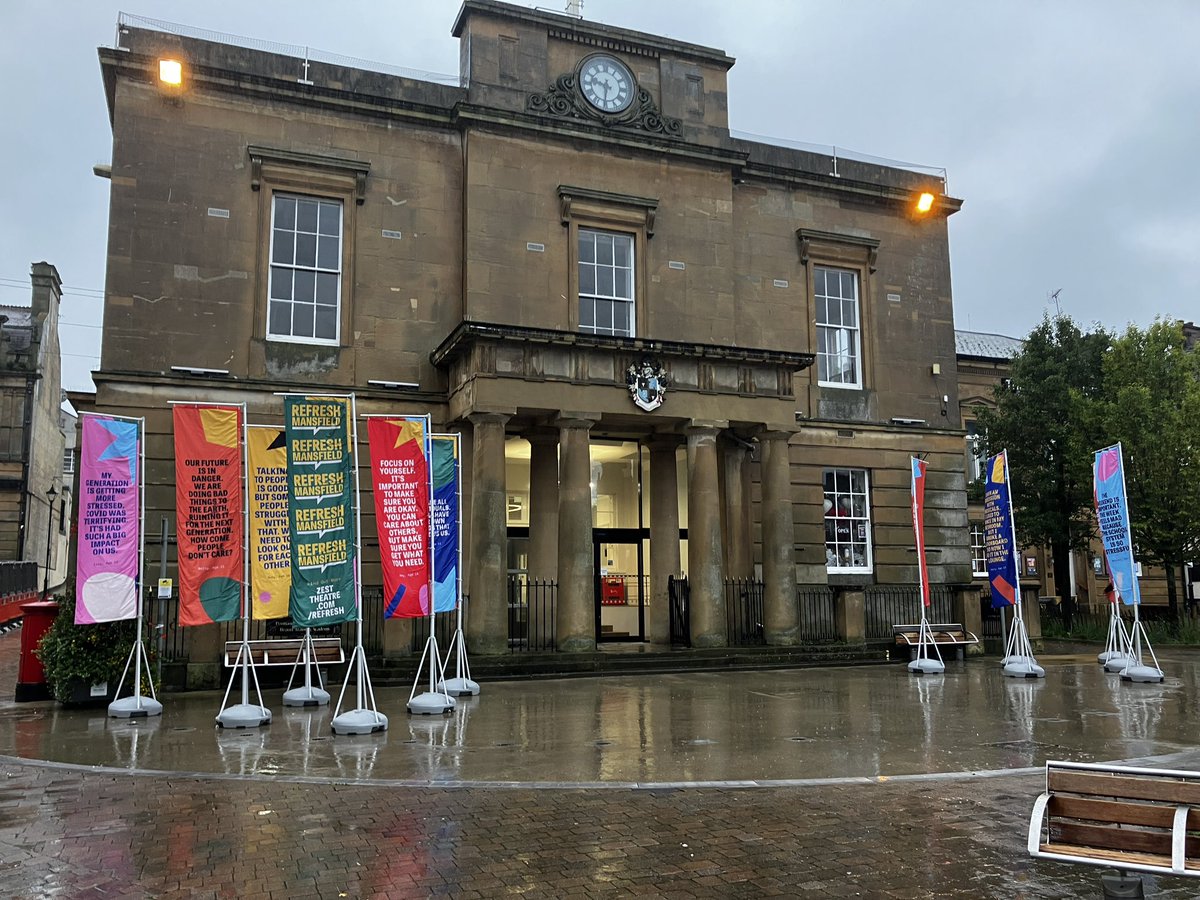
(89, 654)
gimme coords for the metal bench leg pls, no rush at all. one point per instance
(1122, 887)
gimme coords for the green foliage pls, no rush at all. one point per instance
(1152, 407)
(88, 654)
(1092, 629)
(1047, 418)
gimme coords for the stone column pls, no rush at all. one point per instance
(575, 618)
(487, 615)
(736, 501)
(706, 574)
(543, 506)
(781, 617)
(664, 536)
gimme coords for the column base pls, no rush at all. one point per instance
(705, 641)
(577, 645)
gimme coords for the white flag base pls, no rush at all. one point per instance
(1143, 674)
(1119, 663)
(1104, 657)
(306, 695)
(137, 707)
(1023, 667)
(430, 704)
(359, 721)
(244, 715)
(459, 687)
(926, 666)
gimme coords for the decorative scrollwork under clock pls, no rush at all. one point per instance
(565, 100)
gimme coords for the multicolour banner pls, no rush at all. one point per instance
(999, 537)
(400, 476)
(270, 528)
(1112, 511)
(320, 510)
(208, 512)
(110, 481)
(446, 533)
(918, 520)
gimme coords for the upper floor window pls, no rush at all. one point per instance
(847, 521)
(305, 281)
(68, 461)
(978, 555)
(606, 288)
(839, 343)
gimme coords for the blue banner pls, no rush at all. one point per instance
(999, 536)
(1112, 512)
(445, 522)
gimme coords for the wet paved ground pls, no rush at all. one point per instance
(859, 782)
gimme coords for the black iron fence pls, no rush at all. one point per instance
(444, 628)
(679, 598)
(816, 606)
(888, 605)
(744, 612)
(18, 577)
(531, 606)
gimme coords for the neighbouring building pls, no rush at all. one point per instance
(34, 497)
(669, 350)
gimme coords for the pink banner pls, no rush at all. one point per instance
(109, 506)
(400, 474)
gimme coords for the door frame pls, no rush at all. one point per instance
(636, 537)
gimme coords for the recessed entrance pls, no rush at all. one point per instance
(622, 584)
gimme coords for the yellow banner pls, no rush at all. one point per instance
(270, 534)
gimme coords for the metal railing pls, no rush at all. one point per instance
(744, 612)
(816, 606)
(888, 605)
(531, 606)
(18, 577)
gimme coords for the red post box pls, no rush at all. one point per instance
(31, 678)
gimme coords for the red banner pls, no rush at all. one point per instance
(208, 512)
(918, 518)
(400, 475)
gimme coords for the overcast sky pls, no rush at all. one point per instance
(1070, 128)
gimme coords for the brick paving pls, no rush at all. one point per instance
(67, 832)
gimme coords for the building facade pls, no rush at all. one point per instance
(669, 351)
(35, 498)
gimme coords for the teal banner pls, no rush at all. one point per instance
(320, 510)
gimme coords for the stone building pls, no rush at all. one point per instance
(669, 350)
(34, 498)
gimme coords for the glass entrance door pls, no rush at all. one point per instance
(622, 584)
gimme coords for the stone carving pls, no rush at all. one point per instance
(648, 382)
(563, 100)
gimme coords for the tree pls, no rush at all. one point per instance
(1047, 417)
(1152, 406)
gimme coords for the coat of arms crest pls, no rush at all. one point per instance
(648, 383)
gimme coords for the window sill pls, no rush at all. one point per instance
(839, 386)
(309, 342)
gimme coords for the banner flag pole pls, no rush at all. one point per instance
(1112, 511)
(1004, 570)
(461, 685)
(924, 663)
(1117, 643)
(244, 714)
(137, 706)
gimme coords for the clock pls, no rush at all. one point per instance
(606, 83)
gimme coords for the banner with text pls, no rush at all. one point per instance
(208, 512)
(918, 520)
(400, 476)
(446, 534)
(999, 540)
(109, 520)
(320, 510)
(270, 529)
(1112, 511)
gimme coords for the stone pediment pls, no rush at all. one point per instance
(564, 100)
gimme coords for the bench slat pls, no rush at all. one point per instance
(1111, 811)
(1110, 837)
(1116, 857)
(1162, 789)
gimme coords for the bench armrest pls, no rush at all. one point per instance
(1179, 840)
(1035, 824)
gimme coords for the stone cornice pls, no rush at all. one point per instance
(568, 194)
(355, 168)
(809, 236)
(469, 333)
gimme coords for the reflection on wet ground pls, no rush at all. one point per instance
(743, 727)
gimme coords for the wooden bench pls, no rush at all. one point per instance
(284, 651)
(1141, 820)
(944, 634)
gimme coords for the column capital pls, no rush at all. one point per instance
(489, 418)
(665, 441)
(569, 418)
(541, 435)
(711, 427)
(769, 433)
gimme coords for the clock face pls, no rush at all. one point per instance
(606, 83)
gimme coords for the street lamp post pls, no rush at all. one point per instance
(50, 495)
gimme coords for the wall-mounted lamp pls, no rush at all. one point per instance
(925, 202)
(170, 72)
(197, 370)
(394, 385)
